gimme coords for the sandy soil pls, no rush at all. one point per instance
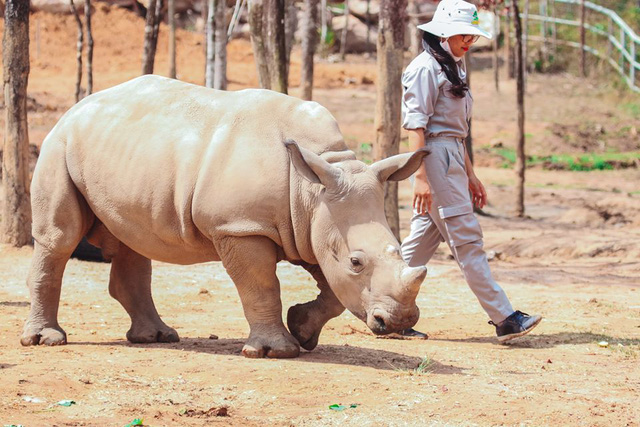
(574, 259)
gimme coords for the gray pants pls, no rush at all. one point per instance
(451, 219)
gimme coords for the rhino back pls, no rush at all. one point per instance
(169, 167)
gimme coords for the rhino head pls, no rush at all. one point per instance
(351, 239)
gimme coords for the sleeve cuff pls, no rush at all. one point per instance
(415, 121)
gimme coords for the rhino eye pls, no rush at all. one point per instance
(356, 262)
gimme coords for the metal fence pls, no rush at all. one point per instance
(612, 39)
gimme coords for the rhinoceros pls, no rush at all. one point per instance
(158, 169)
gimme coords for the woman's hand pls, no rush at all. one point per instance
(478, 193)
(422, 196)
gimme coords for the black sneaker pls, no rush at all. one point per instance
(408, 334)
(516, 325)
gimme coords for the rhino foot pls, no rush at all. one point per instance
(151, 334)
(278, 344)
(44, 336)
(302, 325)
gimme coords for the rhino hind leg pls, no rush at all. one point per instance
(45, 282)
(130, 285)
(251, 261)
(60, 219)
(306, 320)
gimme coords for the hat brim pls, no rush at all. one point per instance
(448, 30)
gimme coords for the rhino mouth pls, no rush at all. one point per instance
(381, 322)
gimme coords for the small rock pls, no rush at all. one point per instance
(203, 291)
(603, 344)
(213, 337)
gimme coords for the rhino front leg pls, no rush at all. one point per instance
(130, 284)
(45, 282)
(251, 263)
(306, 320)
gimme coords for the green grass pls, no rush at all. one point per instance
(584, 162)
(426, 366)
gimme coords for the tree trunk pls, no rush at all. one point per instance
(520, 157)
(309, 44)
(525, 43)
(87, 17)
(388, 98)
(172, 38)
(148, 52)
(415, 35)
(278, 59)
(157, 17)
(290, 27)
(79, 43)
(210, 33)
(345, 31)
(16, 214)
(220, 72)
(508, 45)
(257, 29)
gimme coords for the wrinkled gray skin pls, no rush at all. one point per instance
(159, 169)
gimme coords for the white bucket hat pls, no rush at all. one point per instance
(454, 17)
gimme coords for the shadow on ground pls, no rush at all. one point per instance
(550, 340)
(334, 354)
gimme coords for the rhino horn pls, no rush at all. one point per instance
(400, 166)
(412, 277)
(311, 166)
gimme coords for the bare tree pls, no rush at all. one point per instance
(415, 34)
(257, 27)
(172, 38)
(87, 17)
(290, 27)
(525, 42)
(210, 34)
(508, 46)
(309, 44)
(520, 158)
(220, 68)
(16, 214)
(151, 29)
(278, 58)
(389, 94)
(79, 44)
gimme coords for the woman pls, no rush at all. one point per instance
(436, 110)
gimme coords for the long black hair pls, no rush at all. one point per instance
(458, 87)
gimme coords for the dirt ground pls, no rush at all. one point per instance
(574, 259)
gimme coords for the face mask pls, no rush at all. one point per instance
(447, 48)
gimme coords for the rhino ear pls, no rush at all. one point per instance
(311, 166)
(400, 166)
